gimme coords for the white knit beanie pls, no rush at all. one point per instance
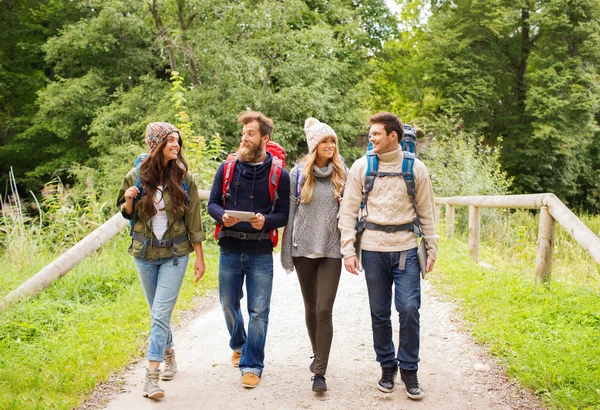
(316, 131)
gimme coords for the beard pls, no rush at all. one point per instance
(249, 152)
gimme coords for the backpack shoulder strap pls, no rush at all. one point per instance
(408, 164)
(299, 179)
(228, 168)
(372, 166)
(274, 177)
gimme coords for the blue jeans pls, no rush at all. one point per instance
(161, 281)
(258, 271)
(382, 272)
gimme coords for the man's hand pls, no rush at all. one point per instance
(258, 222)
(430, 263)
(351, 264)
(229, 221)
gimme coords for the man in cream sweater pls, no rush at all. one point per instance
(389, 249)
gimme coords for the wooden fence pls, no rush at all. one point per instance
(552, 210)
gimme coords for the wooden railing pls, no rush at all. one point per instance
(552, 210)
(71, 258)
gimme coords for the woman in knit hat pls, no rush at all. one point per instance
(160, 198)
(311, 240)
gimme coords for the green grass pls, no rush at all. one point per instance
(548, 337)
(58, 345)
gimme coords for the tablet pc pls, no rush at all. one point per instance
(244, 216)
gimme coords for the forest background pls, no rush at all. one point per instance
(505, 95)
(79, 81)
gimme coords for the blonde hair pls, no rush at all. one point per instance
(338, 176)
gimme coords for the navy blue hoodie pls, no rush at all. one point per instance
(249, 191)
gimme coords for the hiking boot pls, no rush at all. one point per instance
(388, 375)
(312, 365)
(235, 358)
(151, 388)
(250, 380)
(170, 367)
(319, 385)
(413, 389)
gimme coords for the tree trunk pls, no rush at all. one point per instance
(162, 31)
(187, 49)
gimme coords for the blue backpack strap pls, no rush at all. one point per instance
(138, 185)
(408, 164)
(372, 166)
(299, 180)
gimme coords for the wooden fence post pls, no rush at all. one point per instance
(450, 220)
(474, 233)
(545, 246)
(438, 210)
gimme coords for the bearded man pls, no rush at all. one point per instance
(246, 247)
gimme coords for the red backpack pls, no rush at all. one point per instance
(277, 165)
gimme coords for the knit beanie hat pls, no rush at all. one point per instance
(156, 132)
(316, 131)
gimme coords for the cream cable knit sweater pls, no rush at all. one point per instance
(389, 204)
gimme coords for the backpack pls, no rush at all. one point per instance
(408, 147)
(300, 178)
(277, 165)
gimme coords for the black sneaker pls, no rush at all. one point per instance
(386, 383)
(413, 389)
(319, 384)
(312, 365)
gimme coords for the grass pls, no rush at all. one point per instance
(58, 345)
(548, 337)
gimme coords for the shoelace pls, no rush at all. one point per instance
(168, 363)
(411, 380)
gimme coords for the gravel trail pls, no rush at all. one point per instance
(454, 371)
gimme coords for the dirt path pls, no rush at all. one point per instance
(455, 373)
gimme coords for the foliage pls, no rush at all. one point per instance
(547, 337)
(523, 74)
(108, 71)
(92, 322)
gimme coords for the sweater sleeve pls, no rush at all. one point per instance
(288, 233)
(350, 207)
(426, 209)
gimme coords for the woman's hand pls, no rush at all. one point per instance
(199, 268)
(130, 194)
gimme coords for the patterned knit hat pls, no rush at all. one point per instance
(156, 132)
(316, 131)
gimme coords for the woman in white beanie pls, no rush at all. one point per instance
(161, 199)
(311, 240)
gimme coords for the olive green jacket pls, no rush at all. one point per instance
(176, 222)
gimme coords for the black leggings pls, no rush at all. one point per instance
(319, 279)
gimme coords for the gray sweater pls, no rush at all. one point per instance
(312, 230)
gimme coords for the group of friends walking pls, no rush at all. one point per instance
(319, 203)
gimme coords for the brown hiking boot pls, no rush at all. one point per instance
(170, 367)
(235, 358)
(151, 388)
(250, 380)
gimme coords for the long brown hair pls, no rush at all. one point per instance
(338, 176)
(153, 173)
